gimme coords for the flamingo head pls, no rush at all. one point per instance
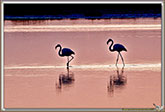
(58, 45)
(109, 41)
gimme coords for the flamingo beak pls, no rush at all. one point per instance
(108, 42)
(56, 47)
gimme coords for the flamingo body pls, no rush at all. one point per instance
(67, 52)
(119, 48)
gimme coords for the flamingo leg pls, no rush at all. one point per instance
(67, 62)
(71, 59)
(117, 59)
(122, 59)
(67, 70)
(122, 71)
(117, 72)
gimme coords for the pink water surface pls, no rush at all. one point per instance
(36, 87)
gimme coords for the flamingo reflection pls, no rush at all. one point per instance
(67, 78)
(117, 81)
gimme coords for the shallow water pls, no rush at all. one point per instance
(36, 88)
(32, 66)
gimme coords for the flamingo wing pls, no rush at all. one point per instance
(119, 47)
(67, 52)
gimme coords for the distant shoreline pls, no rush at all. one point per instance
(74, 17)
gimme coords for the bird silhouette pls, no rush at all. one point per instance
(65, 52)
(157, 107)
(118, 48)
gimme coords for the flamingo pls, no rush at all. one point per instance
(65, 52)
(118, 48)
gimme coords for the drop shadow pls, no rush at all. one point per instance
(65, 79)
(116, 81)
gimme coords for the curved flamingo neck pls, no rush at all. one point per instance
(59, 52)
(110, 47)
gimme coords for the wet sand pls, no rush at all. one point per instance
(32, 66)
